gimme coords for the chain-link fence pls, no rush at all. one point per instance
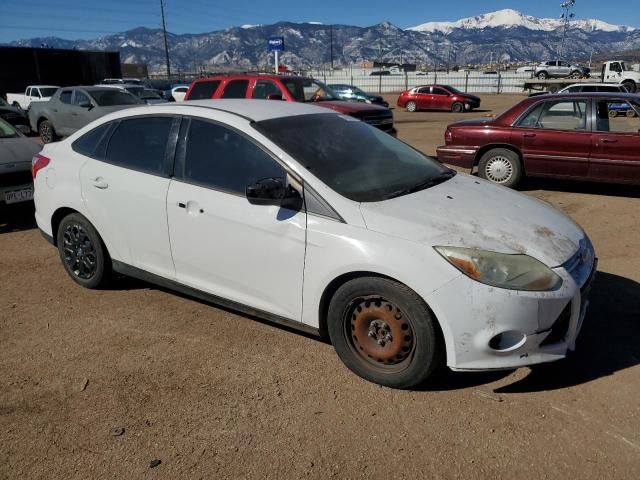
(472, 82)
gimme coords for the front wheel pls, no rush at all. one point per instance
(630, 86)
(384, 332)
(542, 75)
(501, 166)
(457, 107)
(83, 254)
(411, 107)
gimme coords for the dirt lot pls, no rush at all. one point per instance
(213, 394)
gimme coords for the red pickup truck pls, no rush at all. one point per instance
(291, 89)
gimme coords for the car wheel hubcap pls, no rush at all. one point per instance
(379, 332)
(79, 253)
(45, 133)
(499, 169)
(411, 107)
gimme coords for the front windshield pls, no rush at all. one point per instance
(454, 90)
(48, 91)
(353, 158)
(6, 130)
(308, 90)
(149, 95)
(137, 91)
(111, 97)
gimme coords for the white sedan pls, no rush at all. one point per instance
(314, 219)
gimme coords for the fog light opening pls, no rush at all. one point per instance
(507, 341)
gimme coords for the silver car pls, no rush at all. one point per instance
(16, 152)
(559, 69)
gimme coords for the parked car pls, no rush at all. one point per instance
(437, 97)
(405, 263)
(33, 93)
(619, 72)
(121, 81)
(351, 92)
(16, 152)
(526, 69)
(290, 88)
(71, 108)
(560, 69)
(15, 116)
(566, 136)
(594, 87)
(176, 93)
(145, 94)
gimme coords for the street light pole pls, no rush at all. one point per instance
(566, 17)
(166, 43)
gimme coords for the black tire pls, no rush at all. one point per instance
(382, 310)
(82, 252)
(502, 167)
(457, 107)
(47, 132)
(630, 85)
(576, 74)
(542, 75)
(411, 107)
(613, 113)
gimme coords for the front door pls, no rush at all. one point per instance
(125, 192)
(554, 138)
(616, 142)
(441, 99)
(222, 244)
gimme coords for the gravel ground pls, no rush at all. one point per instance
(98, 384)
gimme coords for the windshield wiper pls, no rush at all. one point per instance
(442, 177)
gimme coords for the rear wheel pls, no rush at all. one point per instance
(47, 132)
(575, 74)
(411, 107)
(613, 113)
(630, 85)
(501, 166)
(83, 254)
(457, 107)
(542, 75)
(384, 332)
(631, 113)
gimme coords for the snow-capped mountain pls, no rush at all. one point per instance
(509, 18)
(508, 37)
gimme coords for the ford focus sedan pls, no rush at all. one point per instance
(269, 208)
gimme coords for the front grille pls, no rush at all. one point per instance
(15, 178)
(383, 121)
(560, 327)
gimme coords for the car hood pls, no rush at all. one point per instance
(469, 212)
(347, 107)
(16, 153)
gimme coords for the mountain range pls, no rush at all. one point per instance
(502, 36)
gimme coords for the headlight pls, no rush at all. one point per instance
(514, 272)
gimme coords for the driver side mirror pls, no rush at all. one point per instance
(85, 104)
(274, 191)
(274, 96)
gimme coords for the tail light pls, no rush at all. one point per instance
(448, 136)
(38, 163)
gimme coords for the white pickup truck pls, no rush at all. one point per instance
(33, 93)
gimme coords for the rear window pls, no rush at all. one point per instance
(235, 89)
(110, 97)
(204, 90)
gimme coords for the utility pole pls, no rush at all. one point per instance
(566, 17)
(166, 43)
(331, 45)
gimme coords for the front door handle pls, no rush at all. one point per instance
(191, 207)
(528, 135)
(100, 183)
(608, 140)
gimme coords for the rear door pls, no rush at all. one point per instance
(78, 113)
(554, 138)
(203, 90)
(616, 141)
(125, 190)
(424, 98)
(261, 89)
(237, 88)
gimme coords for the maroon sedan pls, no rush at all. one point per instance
(566, 136)
(437, 97)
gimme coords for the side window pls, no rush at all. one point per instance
(531, 119)
(182, 89)
(425, 90)
(80, 98)
(35, 93)
(562, 64)
(615, 67)
(618, 117)
(204, 90)
(439, 91)
(235, 89)
(579, 88)
(222, 159)
(264, 88)
(140, 144)
(564, 115)
(65, 96)
(88, 143)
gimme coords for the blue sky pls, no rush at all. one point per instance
(92, 18)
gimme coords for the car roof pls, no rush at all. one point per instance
(594, 84)
(556, 96)
(253, 110)
(269, 76)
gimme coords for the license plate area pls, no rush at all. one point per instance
(24, 194)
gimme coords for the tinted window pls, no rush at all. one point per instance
(65, 96)
(80, 98)
(618, 116)
(578, 88)
(87, 144)
(204, 90)
(220, 158)
(264, 88)
(35, 92)
(113, 96)
(439, 91)
(235, 89)
(140, 144)
(426, 90)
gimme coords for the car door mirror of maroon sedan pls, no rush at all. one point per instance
(274, 191)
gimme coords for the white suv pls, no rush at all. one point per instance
(314, 219)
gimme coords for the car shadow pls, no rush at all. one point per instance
(607, 344)
(17, 217)
(577, 186)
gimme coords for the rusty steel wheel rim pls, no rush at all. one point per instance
(379, 333)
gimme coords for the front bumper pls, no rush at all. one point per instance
(460, 156)
(537, 327)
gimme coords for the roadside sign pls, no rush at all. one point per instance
(276, 44)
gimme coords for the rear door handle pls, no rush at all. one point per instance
(528, 135)
(100, 183)
(608, 140)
